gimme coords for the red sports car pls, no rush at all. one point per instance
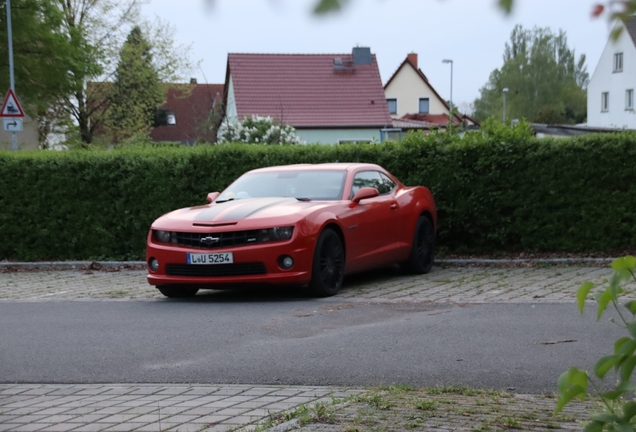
(298, 224)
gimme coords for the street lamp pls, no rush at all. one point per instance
(450, 116)
(505, 92)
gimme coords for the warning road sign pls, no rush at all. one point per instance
(11, 106)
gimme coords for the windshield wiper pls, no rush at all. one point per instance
(225, 200)
(303, 199)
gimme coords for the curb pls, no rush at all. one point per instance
(524, 261)
(69, 265)
(72, 265)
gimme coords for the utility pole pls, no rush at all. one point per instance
(14, 137)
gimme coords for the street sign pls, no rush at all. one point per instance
(12, 124)
(11, 107)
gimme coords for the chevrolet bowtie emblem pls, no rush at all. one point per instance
(210, 240)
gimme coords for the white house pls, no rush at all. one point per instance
(414, 103)
(610, 93)
(328, 98)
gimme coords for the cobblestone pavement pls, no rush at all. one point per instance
(182, 408)
(452, 284)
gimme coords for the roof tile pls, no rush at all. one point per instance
(191, 112)
(303, 90)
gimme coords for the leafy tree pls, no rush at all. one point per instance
(137, 90)
(41, 58)
(98, 28)
(545, 80)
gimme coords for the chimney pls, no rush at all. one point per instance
(412, 58)
(193, 80)
(362, 56)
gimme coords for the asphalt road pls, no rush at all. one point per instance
(234, 338)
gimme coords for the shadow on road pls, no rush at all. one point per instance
(269, 293)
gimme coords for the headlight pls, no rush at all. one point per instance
(275, 234)
(165, 236)
(281, 233)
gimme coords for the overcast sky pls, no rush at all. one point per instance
(470, 32)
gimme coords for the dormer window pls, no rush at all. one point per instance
(618, 62)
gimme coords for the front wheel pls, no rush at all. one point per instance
(423, 248)
(327, 272)
(174, 291)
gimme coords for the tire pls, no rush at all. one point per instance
(423, 249)
(176, 291)
(327, 271)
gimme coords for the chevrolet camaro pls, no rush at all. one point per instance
(304, 225)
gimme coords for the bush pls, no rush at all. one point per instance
(498, 190)
(258, 130)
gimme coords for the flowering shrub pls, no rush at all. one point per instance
(258, 130)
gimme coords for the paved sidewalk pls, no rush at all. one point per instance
(124, 408)
(452, 284)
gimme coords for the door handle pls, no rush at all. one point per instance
(393, 206)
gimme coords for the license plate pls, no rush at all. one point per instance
(212, 258)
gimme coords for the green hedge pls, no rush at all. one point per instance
(498, 193)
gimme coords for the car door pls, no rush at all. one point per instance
(373, 236)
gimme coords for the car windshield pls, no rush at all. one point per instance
(303, 185)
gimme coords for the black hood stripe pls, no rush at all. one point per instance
(240, 209)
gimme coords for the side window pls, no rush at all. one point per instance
(373, 179)
(387, 184)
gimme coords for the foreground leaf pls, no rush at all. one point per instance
(572, 383)
(627, 368)
(506, 5)
(582, 293)
(604, 365)
(594, 427)
(603, 301)
(629, 411)
(631, 306)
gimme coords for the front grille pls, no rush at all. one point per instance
(218, 270)
(225, 239)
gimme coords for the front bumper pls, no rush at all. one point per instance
(300, 249)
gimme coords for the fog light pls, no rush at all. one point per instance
(153, 264)
(286, 262)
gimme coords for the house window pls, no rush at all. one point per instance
(605, 101)
(618, 62)
(629, 99)
(164, 117)
(424, 106)
(392, 103)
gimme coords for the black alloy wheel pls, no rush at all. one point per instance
(423, 248)
(328, 265)
(176, 291)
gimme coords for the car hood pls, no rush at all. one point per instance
(243, 210)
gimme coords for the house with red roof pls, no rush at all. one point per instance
(414, 103)
(328, 98)
(190, 113)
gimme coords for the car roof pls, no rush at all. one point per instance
(337, 166)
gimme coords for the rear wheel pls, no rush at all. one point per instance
(327, 271)
(423, 248)
(175, 291)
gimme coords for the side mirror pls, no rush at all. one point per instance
(212, 196)
(364, 193)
